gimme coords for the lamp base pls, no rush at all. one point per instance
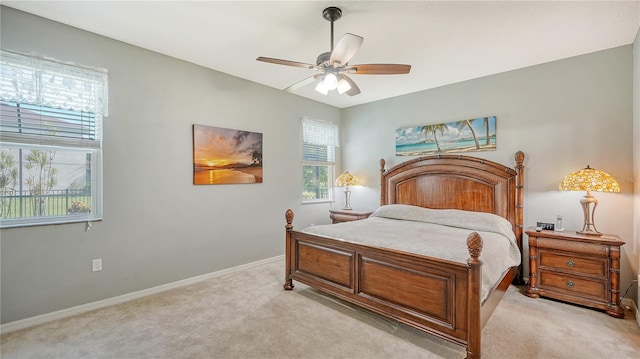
(347, 198)
(589, 204)
(589, 233)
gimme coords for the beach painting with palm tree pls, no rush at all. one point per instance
(226, 156)
(474, 135)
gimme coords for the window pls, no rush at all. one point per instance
(319, 140)
(50, 141)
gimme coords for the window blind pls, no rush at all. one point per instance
(319, 141)
(33, 80)
(46, 101)
(31, 124)
(320, 133)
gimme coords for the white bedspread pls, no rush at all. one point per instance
(435, 233)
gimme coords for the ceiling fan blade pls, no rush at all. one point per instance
(345, 49)
(354, 90)
(379, 69)
(286, 62)
(303, 83)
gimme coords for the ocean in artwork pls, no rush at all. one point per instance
(226, 156)
(472, 135)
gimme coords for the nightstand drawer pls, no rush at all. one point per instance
(569, 284)
(574, 264)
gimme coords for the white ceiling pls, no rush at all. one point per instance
(445, 41)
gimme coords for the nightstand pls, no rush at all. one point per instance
(347, 215)
(576, 268)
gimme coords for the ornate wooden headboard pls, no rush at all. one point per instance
(458, 182)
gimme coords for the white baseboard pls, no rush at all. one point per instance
(64, 313)
(631, 305)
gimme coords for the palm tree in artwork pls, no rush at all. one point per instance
(467, 123)
(256, 158)
(485, 122)
(431, 130)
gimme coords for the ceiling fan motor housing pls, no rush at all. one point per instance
(323, 59)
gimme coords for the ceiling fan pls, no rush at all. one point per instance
(333, 66)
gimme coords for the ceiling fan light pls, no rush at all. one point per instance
(322, 88)
(343, 86)
(330, 81)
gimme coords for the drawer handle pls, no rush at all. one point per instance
(570, 284)
(570, 263)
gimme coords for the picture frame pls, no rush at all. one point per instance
(226, 156)
(472, 135)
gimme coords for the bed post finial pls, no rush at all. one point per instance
(474, 244)
(519, 158)
(289, 216)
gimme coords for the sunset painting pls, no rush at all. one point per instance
(226, 156)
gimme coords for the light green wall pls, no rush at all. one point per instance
(158, 227)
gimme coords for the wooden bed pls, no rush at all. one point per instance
(436, 296)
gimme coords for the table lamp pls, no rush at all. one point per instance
(346, 180)
(589, 179)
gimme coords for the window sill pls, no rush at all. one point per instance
(25, 225)
(318, 201)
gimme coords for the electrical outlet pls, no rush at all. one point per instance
(546, 226)
(96, 265)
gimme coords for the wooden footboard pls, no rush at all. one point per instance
(434, 295)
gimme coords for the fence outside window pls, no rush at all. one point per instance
(56, 203)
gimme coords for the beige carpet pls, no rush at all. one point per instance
(246, 314)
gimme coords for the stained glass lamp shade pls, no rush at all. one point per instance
(589, 179)
(347, 180)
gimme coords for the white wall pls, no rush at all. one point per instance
(564, 115)
(158, 227)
